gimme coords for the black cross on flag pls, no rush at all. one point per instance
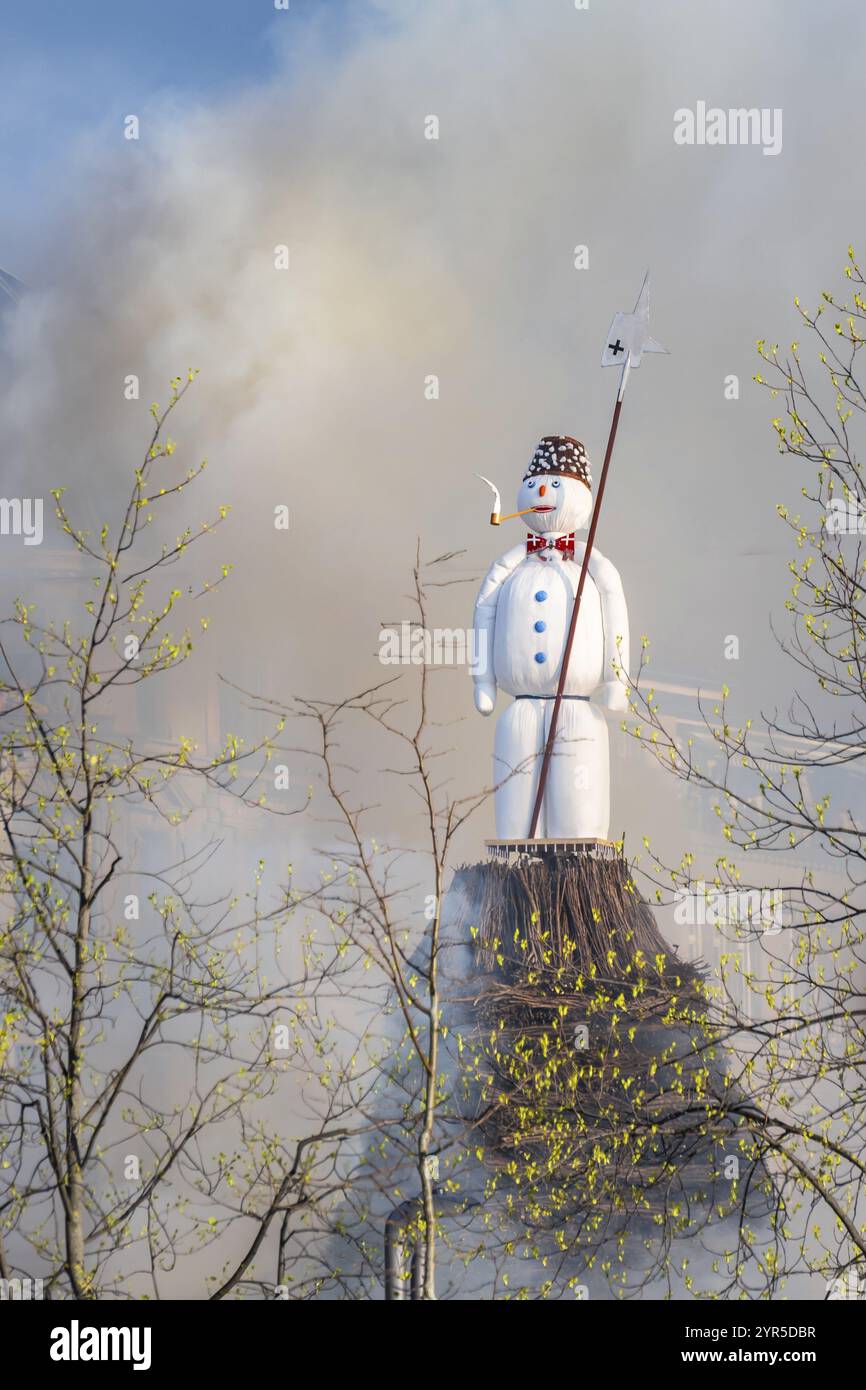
(630, 335)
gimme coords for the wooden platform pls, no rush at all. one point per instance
(516, 849)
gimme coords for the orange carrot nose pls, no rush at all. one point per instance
(542, 490)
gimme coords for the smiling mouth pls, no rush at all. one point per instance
(545, 508)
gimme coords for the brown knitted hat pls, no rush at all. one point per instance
(559, 453)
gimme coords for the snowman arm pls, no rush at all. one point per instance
(484, 623)
(614, 615)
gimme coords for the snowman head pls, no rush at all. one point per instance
(557, 485)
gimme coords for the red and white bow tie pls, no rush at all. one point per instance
(564, 543)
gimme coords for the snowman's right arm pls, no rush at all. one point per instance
(484, 626)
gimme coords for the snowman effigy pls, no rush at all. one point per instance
(522, 624)
(561, 938)
(552, 630)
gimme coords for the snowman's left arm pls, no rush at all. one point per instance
(612, 694)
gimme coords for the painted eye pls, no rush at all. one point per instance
(555, 483)
(530, 483)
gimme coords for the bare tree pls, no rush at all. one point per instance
(148, 1021)
(381, 897)
(790, 998)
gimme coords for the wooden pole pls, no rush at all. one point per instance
(572, 627)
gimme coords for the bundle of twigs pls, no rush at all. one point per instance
(573, 910)
(598, 1075)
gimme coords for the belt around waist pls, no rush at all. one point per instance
(550, 697)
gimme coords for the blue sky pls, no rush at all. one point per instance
(212, 38)
(199, 43)
(67, 69)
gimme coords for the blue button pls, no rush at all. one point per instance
(541, 596)
(539, 656)
(541, 625)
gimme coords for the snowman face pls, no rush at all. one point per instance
(562, 504)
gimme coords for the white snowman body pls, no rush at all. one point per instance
(522, 616)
